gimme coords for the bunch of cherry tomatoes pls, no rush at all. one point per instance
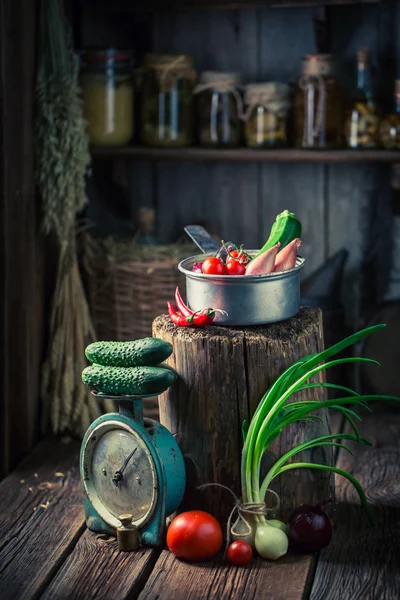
(235, 263)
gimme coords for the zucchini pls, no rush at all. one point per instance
(285, 229)
(129, 381)
(145, 352)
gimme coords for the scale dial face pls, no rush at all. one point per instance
(119, 474)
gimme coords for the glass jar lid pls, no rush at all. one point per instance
(170, 62)
(266, 93)
(315, 65)
(221, 82)
(220, 79)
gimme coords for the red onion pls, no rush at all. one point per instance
(197, 268)
(310, 528)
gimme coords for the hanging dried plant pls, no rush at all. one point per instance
(62, 162)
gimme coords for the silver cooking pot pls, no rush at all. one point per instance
(248, 299)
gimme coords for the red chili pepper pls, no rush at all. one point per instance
(177, 318)
(197, 319)
(202, 319)
(185, 310)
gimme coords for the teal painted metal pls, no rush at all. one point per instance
(169, 466)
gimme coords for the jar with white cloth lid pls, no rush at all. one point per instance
(219, 108)
(266, 114)
(167, 100)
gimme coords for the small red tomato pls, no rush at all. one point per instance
(213, 266)
(194, 535)
(234, 267)
(242, 258)
(240, 553)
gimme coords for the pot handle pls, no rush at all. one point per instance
(201, 238)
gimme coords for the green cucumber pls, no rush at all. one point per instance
(129, 381)
(145, 352)
(285, 229)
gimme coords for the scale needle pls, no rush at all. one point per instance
(118, 475)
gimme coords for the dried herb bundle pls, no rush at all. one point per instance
(62, 162)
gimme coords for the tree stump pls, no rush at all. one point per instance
(223, 374)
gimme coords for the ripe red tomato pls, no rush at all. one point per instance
(194, 535)
(240, 553)
(213, 266)
(234, 267)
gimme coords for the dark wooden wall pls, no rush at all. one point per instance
(20, 254)
(340, 205)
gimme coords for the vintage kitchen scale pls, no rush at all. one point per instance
(130, 464)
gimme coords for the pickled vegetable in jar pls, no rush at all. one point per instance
(389, 129)
(362, 120)
(219, 107)
(318, 117)
(265, 115)
(167, 100)
(108, 96)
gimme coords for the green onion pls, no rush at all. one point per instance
(274, 412)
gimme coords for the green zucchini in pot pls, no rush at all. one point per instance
(147, 352)
(129, 381)
(285, 229)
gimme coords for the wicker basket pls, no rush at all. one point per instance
(129, 285)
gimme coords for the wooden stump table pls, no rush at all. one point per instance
(223, 374)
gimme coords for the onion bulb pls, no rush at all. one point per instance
(270, 542)
(310, 528)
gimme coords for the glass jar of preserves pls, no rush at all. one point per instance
(318, 117)
(219, 108)
(167, 100)
(389, 129)
(266, 113)
(108, 96)
(362, 121)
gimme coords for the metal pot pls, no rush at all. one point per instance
(248, 299)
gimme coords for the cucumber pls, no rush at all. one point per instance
(145, 352)
(285, 229)
(129, 381)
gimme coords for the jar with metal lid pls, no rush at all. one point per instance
(318, 117)
(219, 107)
(108, 96)
(266, 114)
(167, 100)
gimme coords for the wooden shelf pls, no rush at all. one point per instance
(167, 5)
(247, 155)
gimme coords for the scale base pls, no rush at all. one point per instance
(152, 535)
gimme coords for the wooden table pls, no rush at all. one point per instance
(47, 553)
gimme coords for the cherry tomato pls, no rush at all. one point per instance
(240, 553)
(194, 535)
(213, 266)
(234, 254)
(234, 267)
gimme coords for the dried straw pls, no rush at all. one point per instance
(62, 166)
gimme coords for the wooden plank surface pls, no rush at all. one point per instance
(96, 569)
(363, 561)
(195, 153)
(40, 520)
(287, 579)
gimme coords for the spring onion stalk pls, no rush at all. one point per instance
(274, 412)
